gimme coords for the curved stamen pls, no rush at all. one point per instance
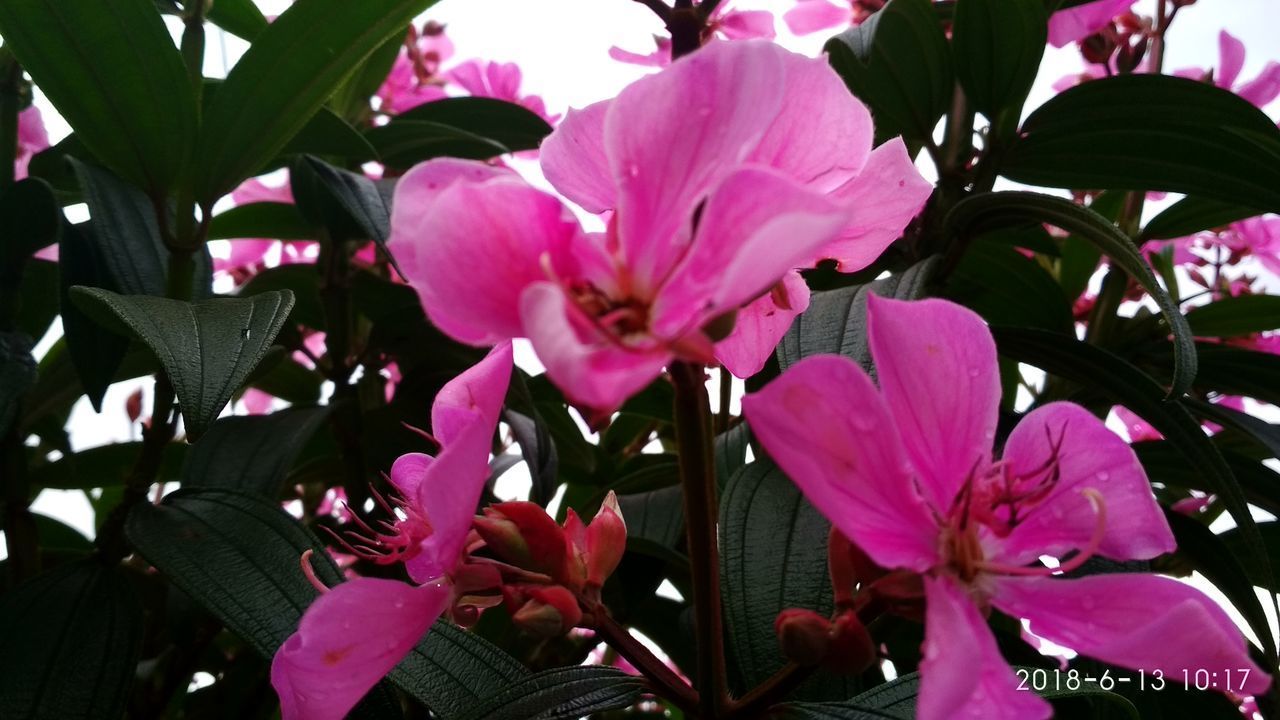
(1095, 541)
(310, 572)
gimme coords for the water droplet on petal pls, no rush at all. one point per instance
(974, 372)
(633, 170)
(1103, 476)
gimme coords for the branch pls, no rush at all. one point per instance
(669, 685)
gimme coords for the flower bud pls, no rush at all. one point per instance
(522, 534)
(804, 636)
(848, 566)
(606, 541)
(721, 326)
(548, 611)
(851, 650)
(1098, 47)
(133, 405)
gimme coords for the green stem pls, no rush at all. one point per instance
(698, 482)
(345, 417)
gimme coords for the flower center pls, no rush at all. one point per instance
(621, 318)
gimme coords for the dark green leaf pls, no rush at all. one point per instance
(253, 452)
(298, 278)
(513, 126)
(655, 516)
(1191, 215)
(1211, 557)
(127, 233)
(342, 201)
(1266, 434)
(1008, 288)
(836, 321)
(241, 18)
(329, 135)
(998, 45)
(562, 694)
(29, 220)
(403, 143)
(110, 69)
(207, 348)
(1241, 315)
(38, 298)
(104, 466)
(1236, 371)
(1003, 209)
(731, 452)
(288, 380)
(17, 374)
(773, 548)
(71, 639)
(351, 101)
(1151, 132)
(237, 555)
(898, 63)
(287, 74)
(58, 387)
(1125, 384)
(95, 352)
(261, 220)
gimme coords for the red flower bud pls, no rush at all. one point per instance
(548, 611)
(133, 405)
(851, 650)
(606, 541)
(522, 534)
(848, 567)
(804, 636)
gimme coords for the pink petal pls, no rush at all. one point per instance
(470, 77)
(825, 425)
(474, 396)
(254, 190)
(408, 471)
(1067, 26)
(574, 162)
(470, 238)
(746, 25)
(1230, 60)
(1089, 456)
(347, 641)
(257, 402)
(1137, 428)
(886, 195)
(1263, 89)
(760, 326)
(822, 134)
(811, 16)
(1110, 618)
(592, 371)
(704, 113)
(936, 364)
(963, 675)
(756, 226)
(658, 58)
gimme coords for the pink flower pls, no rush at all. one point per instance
(415, 77)
(248, 253)
(32, 138)
(881, 188)
(1231, 53)
(811, 16)
(497, 80)
(354, 633)
(704, 166)
(1081, 21)
(1137, 429)
(907, 473)
(724, 24)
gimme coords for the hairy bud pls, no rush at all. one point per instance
(546, 611)
(804, 636)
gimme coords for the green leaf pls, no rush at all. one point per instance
(654, 516)
(127, 233)
(773, 557)
(1191, 215)
(564, 693)
(38, 298)
(269, 220)
(237, 555)
(17, 375)
(253, 452)
(351, 101)
(111, 69)
(731, 452)
(95, 352)
(351, 205)
(513, 126)
(1236, 371)
(898, 63)
(1211, 557)
(1003, 209)
(207, 348)
(1241, 315)
(300, 279)
(329, 135)
(241, 18)
(1264, 433)
(998, 45)
(288, 380)
(29, 220)
(836, 321)
(1008, 288)
(403, 143)
(282, 80)
(71, 640)
(104, 466)
(1125, 384)
(1151, 132)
